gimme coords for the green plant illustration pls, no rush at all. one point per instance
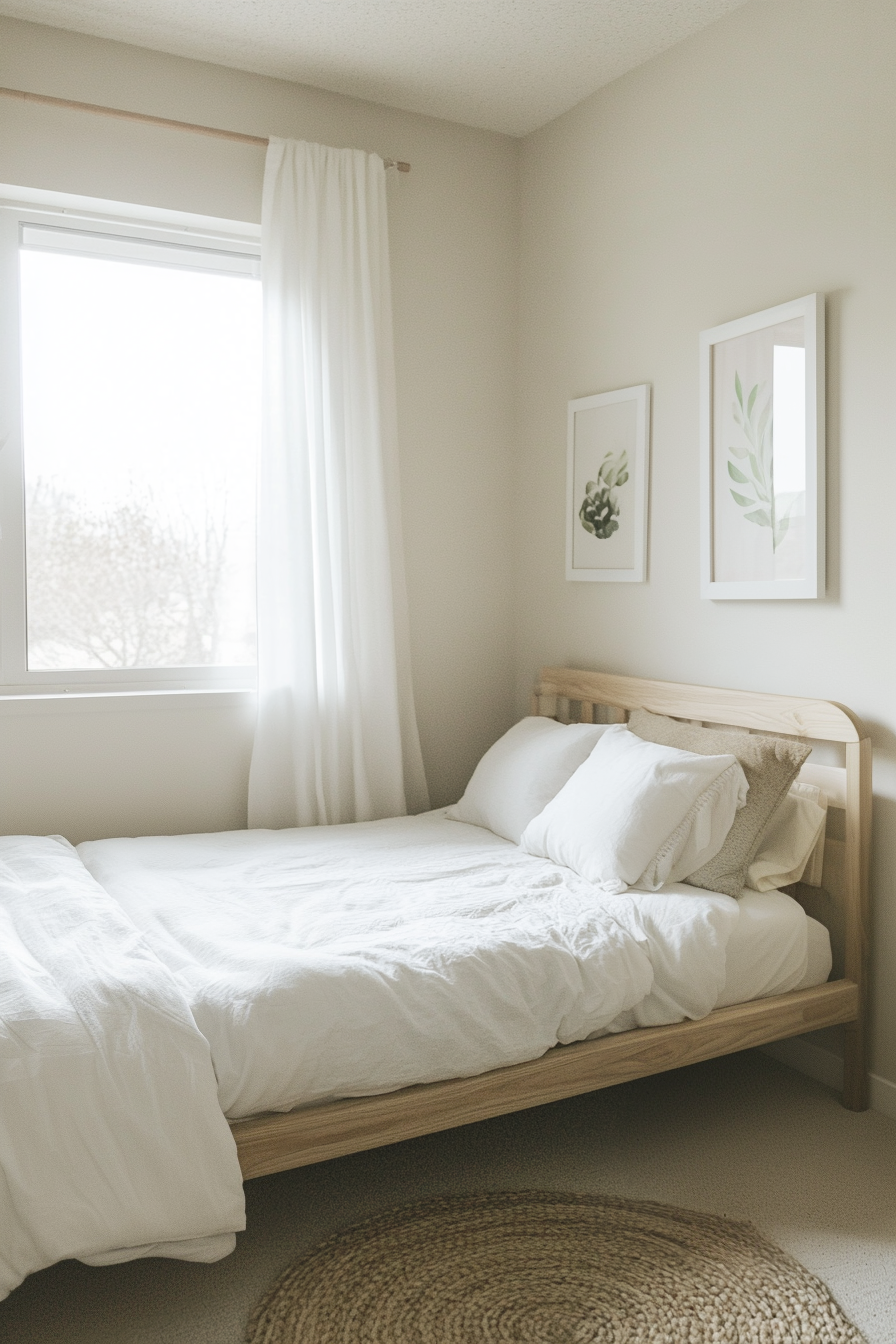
(754, 417)
(599, 513)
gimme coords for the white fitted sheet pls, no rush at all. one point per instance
(774, 947)
(350, 960)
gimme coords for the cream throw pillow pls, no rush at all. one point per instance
(521, 773)
(770, 764)
(637, 814)
(793, 837)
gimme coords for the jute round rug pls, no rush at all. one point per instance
(543, 1268)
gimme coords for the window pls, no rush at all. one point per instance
(128, 481)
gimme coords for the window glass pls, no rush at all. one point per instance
(141, 392)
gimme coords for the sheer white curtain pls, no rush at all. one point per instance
(337, 736)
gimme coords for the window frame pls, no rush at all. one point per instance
(121, 221)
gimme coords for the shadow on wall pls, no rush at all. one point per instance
(883, 890)
(883, 905)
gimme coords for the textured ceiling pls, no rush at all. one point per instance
(506, 65)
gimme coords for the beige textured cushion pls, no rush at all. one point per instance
(771, 764)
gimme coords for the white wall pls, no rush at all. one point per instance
(149, 766)
(753, 163)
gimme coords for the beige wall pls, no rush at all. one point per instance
(145, 766)
(754, 163)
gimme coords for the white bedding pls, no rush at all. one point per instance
(111, 1139)
(773, 948)
(260, 970)
(351, 960)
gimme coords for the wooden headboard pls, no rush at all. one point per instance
(842, 901)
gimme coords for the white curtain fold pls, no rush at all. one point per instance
(336, 738)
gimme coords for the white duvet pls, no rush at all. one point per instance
(112, 1144)
(349, 960)
(261, 970)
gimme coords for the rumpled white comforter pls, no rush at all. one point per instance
(260, 970)
(350, 960)
(112, 1143)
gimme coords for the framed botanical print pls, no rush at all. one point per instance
(606, 486)
(762, 454)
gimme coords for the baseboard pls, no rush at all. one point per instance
(826, 1067)
(883, 1096)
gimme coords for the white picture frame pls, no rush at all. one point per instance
(762, 397)
(608, 438)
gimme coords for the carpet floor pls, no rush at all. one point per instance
(744, 1137)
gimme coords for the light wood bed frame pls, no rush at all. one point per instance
(277, 1142)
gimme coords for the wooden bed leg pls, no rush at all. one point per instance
(855, 1068)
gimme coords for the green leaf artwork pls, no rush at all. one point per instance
(753, 417)
(599, 513)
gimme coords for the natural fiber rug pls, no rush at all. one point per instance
(543, 1268)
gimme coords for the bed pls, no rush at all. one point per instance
(276, 1142)
(191, 1016)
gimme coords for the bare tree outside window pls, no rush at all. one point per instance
(142, 416)
(122, 587)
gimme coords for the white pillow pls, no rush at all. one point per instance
(793, 836)
(639, 814)
(521, 773)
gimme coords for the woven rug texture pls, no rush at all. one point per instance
(548, 1268)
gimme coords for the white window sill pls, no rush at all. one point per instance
(19, 700)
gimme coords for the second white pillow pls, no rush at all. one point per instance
(521, 773)
(639, 814)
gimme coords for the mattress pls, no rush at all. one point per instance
(774, 947)
(343, 961)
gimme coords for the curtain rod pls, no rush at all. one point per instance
(215, 131)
